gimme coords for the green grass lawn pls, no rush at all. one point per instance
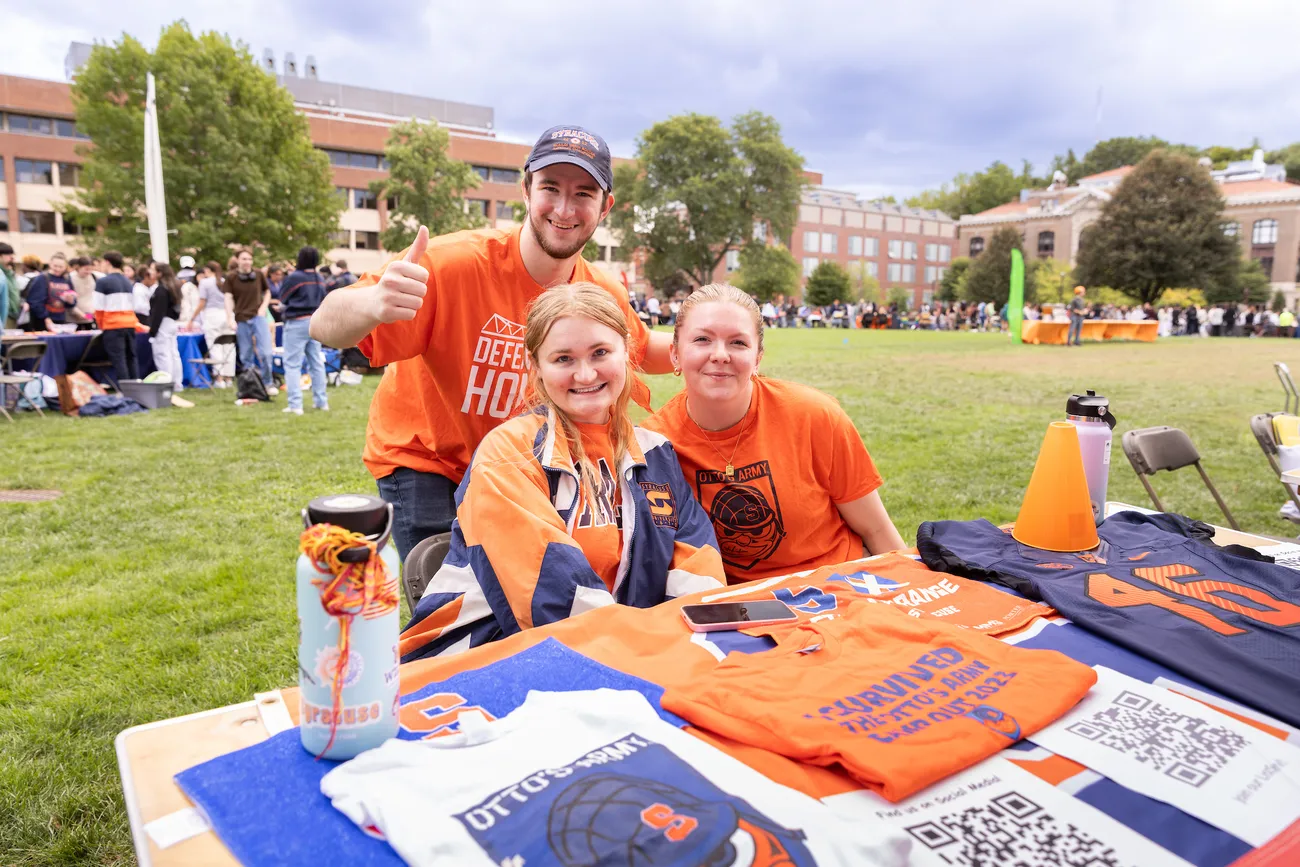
(161, 583)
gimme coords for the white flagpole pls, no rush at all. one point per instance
(154, 200)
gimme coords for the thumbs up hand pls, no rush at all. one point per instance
(400, 291)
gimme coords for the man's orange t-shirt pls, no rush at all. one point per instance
(898, 703)
(459, 368)
(796, 454)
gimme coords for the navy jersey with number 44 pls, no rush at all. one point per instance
(1158, 586)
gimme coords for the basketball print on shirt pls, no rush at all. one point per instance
(499, 372)
(745, 511)
(632, 802)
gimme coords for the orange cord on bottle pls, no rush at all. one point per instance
(348, 590)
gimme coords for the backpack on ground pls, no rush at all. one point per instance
(248, 385)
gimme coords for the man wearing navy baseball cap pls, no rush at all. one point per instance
(446, 319)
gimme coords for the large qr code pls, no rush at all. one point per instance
(1185, 748)
(1011, 831)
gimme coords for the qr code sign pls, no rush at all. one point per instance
(1011, 831)
(1186, 748)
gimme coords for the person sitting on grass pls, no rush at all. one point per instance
(567, 506)
(779, 466)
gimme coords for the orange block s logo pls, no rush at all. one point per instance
(676, 826)
(663, 508)
(438, 714)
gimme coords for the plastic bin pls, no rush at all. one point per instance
(152, 395)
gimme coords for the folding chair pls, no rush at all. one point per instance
(421, 564)
(96, 346)
(27, 350)
(1292, 402)
(1152, 449)
(1262, 427)
(208, 363)
(333, 364)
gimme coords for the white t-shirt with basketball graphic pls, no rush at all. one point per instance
(581, 777)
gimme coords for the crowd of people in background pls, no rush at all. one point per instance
(113, 295)
(1218, 320)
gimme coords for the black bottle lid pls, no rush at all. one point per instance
(359, 513)
(1090, 405)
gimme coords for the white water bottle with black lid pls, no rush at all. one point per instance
(1090, 415)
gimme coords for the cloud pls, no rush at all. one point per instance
(879, 97)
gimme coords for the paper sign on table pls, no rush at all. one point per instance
(1176, 750)
(998, 813)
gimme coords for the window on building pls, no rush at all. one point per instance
(909, 273)
(873, 269)
(342, 239)
(733, 260)
(33, 172)
(367, 240)
(504, 211)
(931, 252)
(344, 194)
(1232, 229)
(4, 219)
(476, 206)
(895, 272)
(364, 161)
(390, 203)
(942, 273)
(809, 265)
(927, 296)
(830, 242)
(760, 230)
(1046, 244)
(931, 273)
(976, 246)
(365, 200)
(69, 227)
(504, 176)
(870, 246)
(2, 161)
(355, 159)
(483, 172)
(37, 222)
(895, 249)
(811, 241)
(945, 252)
(69, 174)
(1265, 232)
(909, 249)
(31, 125)
(855, 245)
(1266, 265)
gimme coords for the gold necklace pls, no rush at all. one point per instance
(730, 472)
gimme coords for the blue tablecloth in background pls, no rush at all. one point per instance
(63, 351)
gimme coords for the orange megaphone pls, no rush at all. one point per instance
(1056, 514)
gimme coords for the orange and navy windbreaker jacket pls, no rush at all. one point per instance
(114, 307)
(513, 562)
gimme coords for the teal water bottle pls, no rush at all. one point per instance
(348, 626)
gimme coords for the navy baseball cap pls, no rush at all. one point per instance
(575, 146)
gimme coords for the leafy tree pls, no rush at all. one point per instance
(767, 271)
(1069, 164)
(865, 287)
(1279, 301)
(1244, 282)
(1221, 155)
(1114, 153)
(1052, 281)
(828, 282)
(989, 277)
(1182, 298)
(900, 297)
(1289, 156)
(1161, 229)
(427, 187)
(591, 250)
(971, 194)
(238, 164)
(950, 286)
(696, 190)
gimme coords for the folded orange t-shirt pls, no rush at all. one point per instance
(898, 702)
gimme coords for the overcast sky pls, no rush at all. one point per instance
(882, 98)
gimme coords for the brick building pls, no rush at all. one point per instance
(39, 160)
(897, 245)
(1262, 210)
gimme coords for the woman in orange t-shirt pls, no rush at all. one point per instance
(778, 466)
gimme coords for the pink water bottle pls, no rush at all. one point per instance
(1090, 415)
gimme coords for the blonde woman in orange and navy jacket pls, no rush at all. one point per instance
(568, 506)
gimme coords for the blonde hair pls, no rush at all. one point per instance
(724, 293)
(591, 302)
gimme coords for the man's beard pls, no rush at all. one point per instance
(538, 225)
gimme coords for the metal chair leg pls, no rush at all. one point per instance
(1232, 522)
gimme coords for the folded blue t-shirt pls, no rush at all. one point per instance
(265, 804)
